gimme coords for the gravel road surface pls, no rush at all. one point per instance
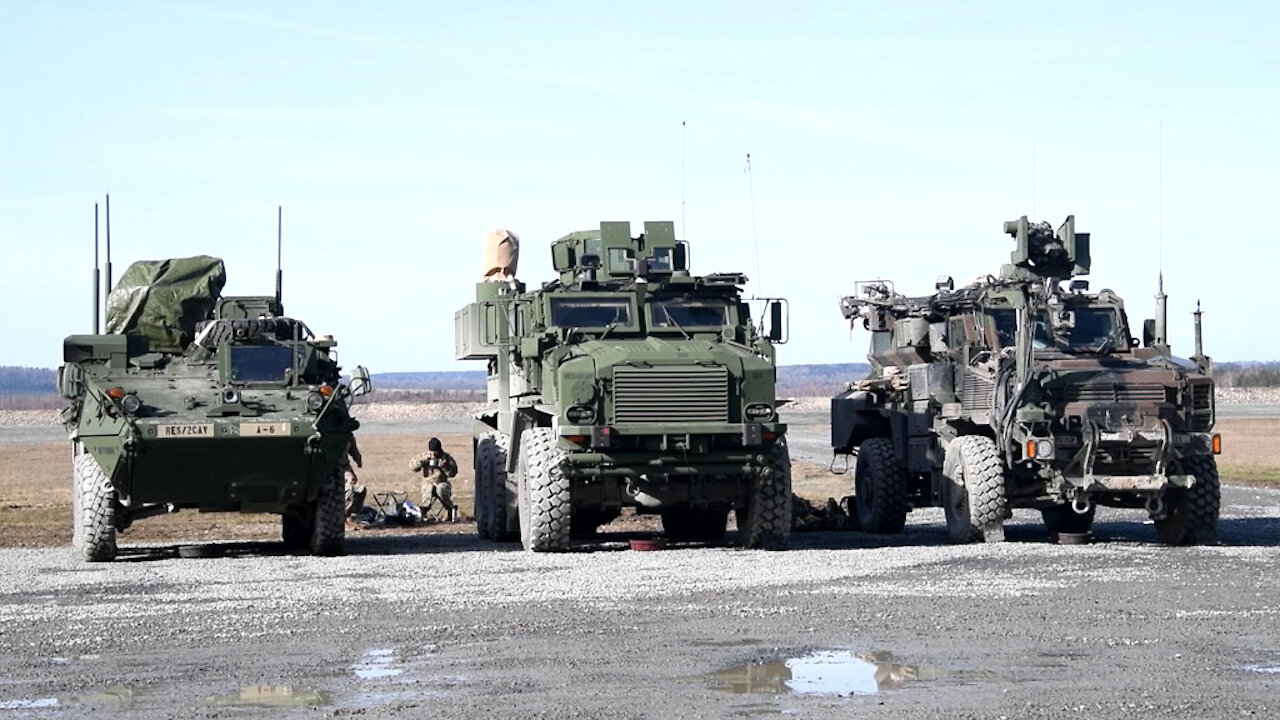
(844, 624)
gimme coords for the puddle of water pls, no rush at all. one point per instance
(269, 696)
(831, 672)
(28, 704)
(376, 664)
(1264, 669)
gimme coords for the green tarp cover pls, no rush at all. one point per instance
(164, 299)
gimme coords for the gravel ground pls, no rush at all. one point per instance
(453, 627)
(842, 624)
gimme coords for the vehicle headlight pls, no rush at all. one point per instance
(315, 401)
(580, 414)
(759, 411)
(230, 396)
(130, 404)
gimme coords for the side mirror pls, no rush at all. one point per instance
(776, 321)
(1148, 332)
(360, 383)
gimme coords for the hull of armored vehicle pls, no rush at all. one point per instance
(205, 403)
(627, 384)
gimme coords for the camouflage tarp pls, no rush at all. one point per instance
(164, 299)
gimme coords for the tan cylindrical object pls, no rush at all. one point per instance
(501, 255)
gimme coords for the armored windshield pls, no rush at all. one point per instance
(260, 363)
(1095, 330)
(590, 312)
(680, 313)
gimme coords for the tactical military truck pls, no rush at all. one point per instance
(626, 382)
(1017, 392)
(192, 400)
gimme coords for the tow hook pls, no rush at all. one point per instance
(1155, 505)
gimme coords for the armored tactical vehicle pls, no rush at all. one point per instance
(626, 382)
(191, 400)
(1017, 392)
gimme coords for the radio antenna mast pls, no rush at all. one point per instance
(279, 255)
(97, 286)
(755, 237)
(108, 287)
(684, 234)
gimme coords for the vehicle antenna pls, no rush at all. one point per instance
(279, 255)
(107, 289)
(755, 238)
(1160, 198)
(1033, 179)
(683, 233)
(97, 287)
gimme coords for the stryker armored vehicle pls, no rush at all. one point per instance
(626, 382)
(1017, 392)
(191, 400)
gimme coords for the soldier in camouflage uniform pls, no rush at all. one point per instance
(436, 466)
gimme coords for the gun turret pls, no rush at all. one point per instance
(1042, 253)
(610, 253)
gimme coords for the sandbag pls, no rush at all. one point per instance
(501, 255)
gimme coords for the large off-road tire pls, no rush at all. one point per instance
(329, 527)
(880, 487)
(765, 524)
(493, 496)
(695, 524)
(483, 486)
(295, 528)
(1192, 513)
(974, 502)
(1062, 519)
(545, 508)
(94, 509)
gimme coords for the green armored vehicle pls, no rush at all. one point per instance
(1017, 392)
(196, 401)
(627, 382)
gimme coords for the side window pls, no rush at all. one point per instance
(956, 336)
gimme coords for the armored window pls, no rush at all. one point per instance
(260, 363)
(1095, 328)
(1005, 324)
(677, 313)
(661, 260)
(596, 312)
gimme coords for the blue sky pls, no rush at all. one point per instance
(887, 140)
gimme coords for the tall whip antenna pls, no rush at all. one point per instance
(97, 286)
(1160, 200)
(684, 234)
(108, 283)
(755, 237)
(279, 253)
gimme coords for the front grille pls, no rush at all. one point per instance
(975, 392)
(1115, 393)
(1201, 406)
(682, 393)
(1202, 397)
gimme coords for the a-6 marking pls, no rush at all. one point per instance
(257, 429)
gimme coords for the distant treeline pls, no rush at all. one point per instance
(1247, 374)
